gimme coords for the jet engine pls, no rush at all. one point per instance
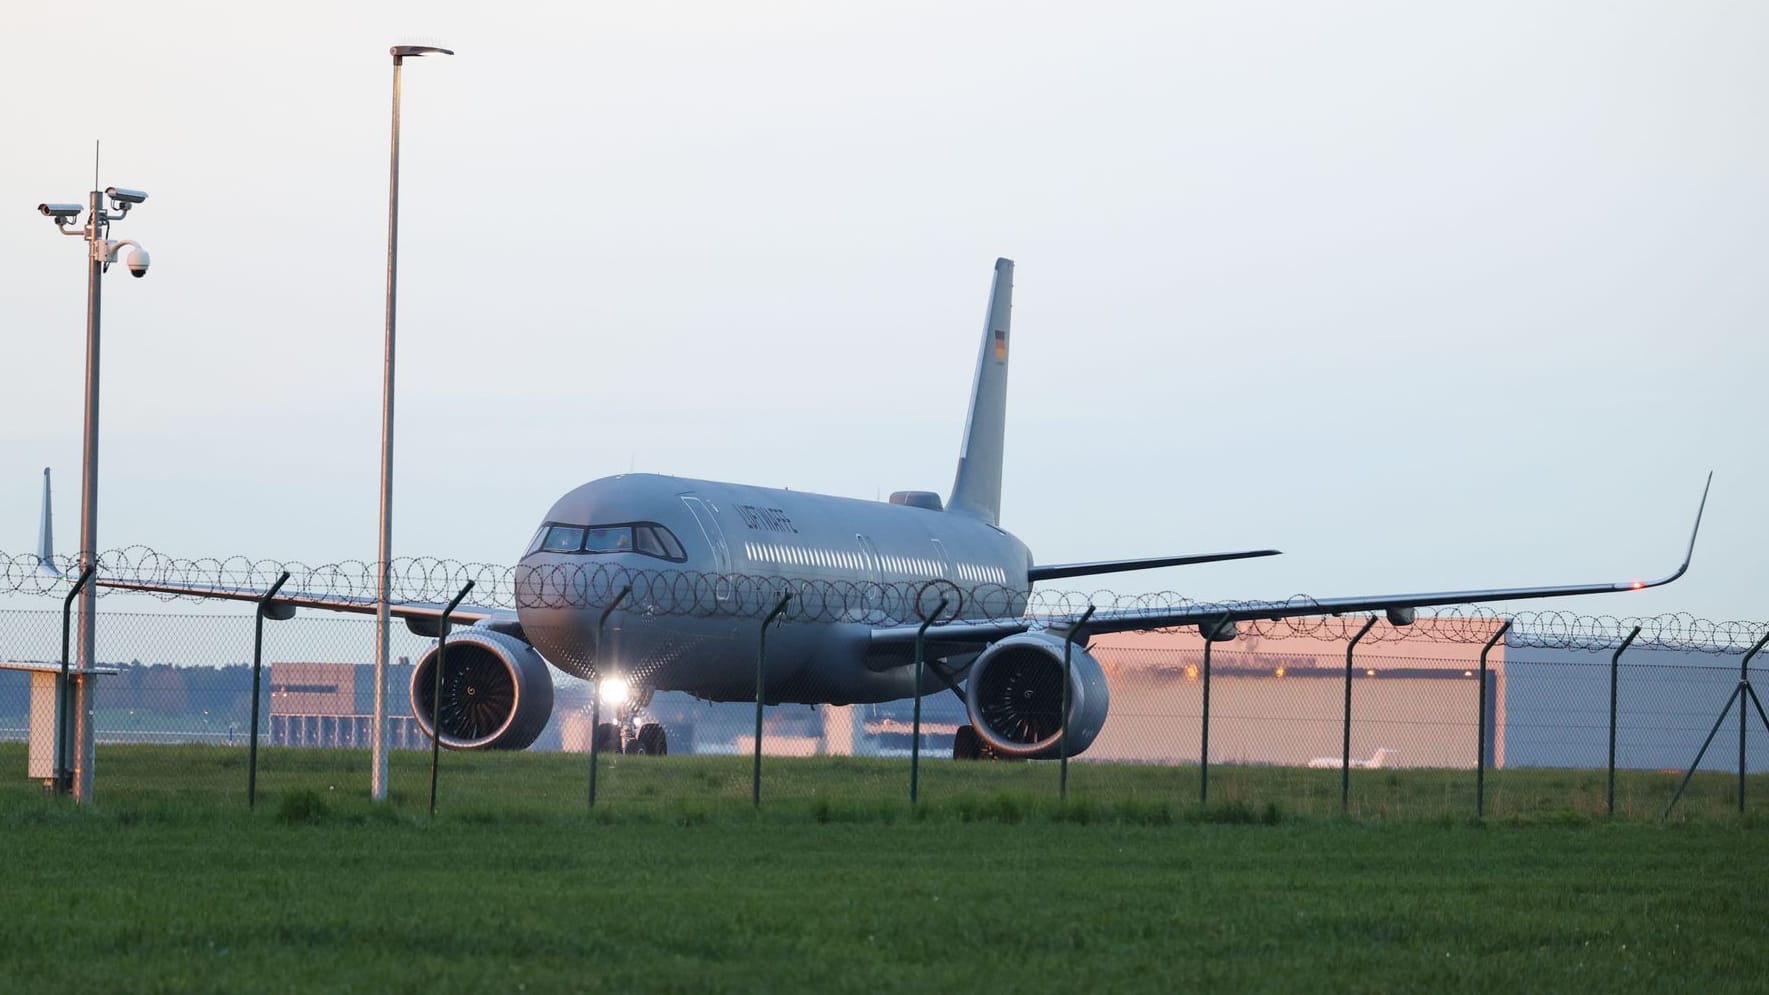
(496, 692)
(1015, 696)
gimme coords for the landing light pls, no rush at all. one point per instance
(1637, 585)
(614, 691)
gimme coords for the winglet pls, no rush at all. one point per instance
(1690, 553)
(46, 536)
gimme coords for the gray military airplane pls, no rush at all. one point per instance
(709, 558)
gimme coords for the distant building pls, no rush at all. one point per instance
(333, 705)
(1282, 701)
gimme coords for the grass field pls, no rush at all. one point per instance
(675, 883)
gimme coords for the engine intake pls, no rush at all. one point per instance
(496, 692)
(1015, 696)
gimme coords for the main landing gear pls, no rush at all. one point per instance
(967, 745)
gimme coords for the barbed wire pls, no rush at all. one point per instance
(668, 591)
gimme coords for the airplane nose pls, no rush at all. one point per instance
(559, 612)
(566, 637)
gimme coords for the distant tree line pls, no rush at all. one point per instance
(157, 688)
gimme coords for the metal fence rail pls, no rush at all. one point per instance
(752, 596)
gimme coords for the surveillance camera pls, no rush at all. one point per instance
(59, 211)
(138, 262)
(124, 195)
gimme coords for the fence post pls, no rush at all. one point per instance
(257, 671)
(1068, 694)
(755, 781)
(1345, 753)
(1744, 681)
(64, 778)
(596, 689)
(1741, 692)
(915, 713)
(1480, 742)
(1614, 673)
(1210, 635)
(436, 692)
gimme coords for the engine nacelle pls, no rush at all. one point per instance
(496, 692)
(1015, 696)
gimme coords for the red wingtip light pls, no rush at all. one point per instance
(1637, 585)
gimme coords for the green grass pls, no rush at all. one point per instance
(552, 784)
(675, 883)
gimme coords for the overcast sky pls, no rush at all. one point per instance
(1427, 296)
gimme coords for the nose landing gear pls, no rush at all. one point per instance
(631, 732)
(650, 741)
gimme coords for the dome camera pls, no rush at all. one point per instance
(138, 262)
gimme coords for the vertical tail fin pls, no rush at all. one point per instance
(46, 536)
(976, 491)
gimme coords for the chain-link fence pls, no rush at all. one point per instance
(1276, 718)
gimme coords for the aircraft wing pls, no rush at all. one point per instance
(422, 617)
(1054, 571)
(1398, 606)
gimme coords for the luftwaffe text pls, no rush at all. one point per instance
(765, 519)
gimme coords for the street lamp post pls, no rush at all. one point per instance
(75, 776)
(383, 581)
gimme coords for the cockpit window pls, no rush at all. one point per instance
(563, 539)
(608, 539)
(648, 538)
(645, 541)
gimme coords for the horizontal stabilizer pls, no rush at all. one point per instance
(1055, 571)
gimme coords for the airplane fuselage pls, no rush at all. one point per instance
(707, 559)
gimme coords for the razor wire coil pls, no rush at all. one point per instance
(668, 591)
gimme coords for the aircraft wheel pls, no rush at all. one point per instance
(607, 738)
(652, 741)
(966, 745)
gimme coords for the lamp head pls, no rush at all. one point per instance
(402, 52)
